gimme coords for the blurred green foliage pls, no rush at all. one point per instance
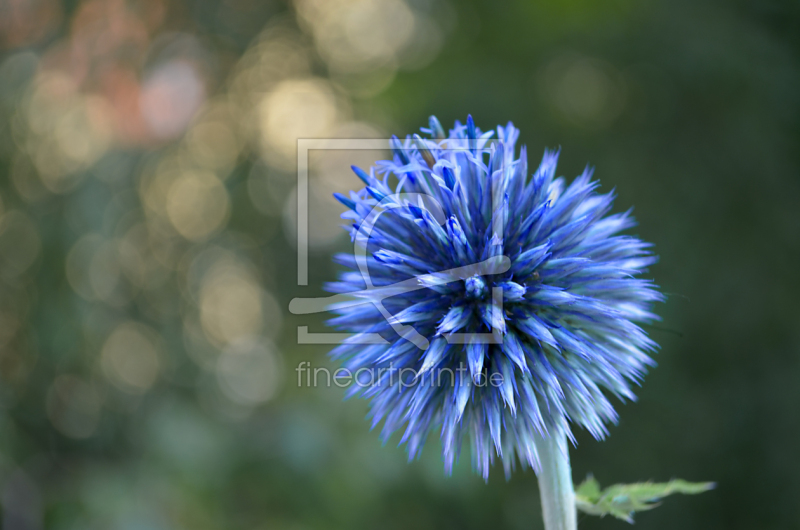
(147, 260)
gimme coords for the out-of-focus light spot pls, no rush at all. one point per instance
(249, 371)
(82, 132)
(171, 95)
(231, 252)
(120, 86)
(278, 55)
(207, 261)
(296, 109)
(67, 132)
(231, 304)
(156, 179)
(197, 204)
(330, 173)
(19, 244)
(52, 92)
(130, 357)
(73, 406)
(375, 28)
(214, 145)
(357, 35)
(586, 91)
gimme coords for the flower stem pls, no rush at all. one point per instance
(555, 483)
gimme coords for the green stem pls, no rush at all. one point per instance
(555, 483)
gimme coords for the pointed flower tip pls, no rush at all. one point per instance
(436, 128)
(344, 200)
(360, 173)
(471, 131)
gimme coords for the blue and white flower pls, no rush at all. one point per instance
(458, 219)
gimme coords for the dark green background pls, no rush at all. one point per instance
(703, 140)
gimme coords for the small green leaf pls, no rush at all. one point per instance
(589, 489)
(623, 500)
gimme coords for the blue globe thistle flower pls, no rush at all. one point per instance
(494, 307)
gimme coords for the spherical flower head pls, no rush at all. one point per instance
(493, 306)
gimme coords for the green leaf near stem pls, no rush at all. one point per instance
(623, 500)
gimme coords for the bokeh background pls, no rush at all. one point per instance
(147, 158)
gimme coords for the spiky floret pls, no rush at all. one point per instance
(570, 297)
